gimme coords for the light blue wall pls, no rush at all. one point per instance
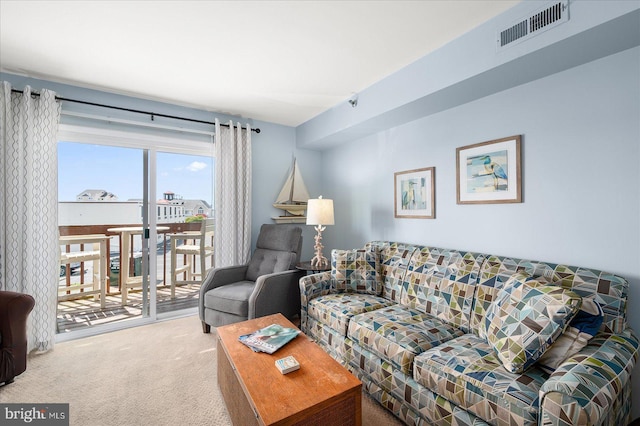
(273, 148)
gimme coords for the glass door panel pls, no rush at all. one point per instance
(101, 203)
(184, 187)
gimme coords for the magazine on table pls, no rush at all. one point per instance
(270, 338)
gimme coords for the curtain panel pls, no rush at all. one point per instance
(29, 250)
(232, 238)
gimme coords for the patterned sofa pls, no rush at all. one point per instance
(411, 323)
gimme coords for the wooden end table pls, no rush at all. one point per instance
(321, 392)
(306, 266)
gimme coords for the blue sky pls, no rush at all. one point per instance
(119, 170)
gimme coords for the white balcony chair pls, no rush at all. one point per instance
(96, 252)
(196, 244)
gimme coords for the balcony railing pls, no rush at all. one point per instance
(80, 301)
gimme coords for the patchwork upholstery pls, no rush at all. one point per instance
(421, 347)
(403, 396)
(467, 372)
(394, 261)
(494, 274)
(526, 318)
(442, 283)
(328, 338)
(591, 381)
(610, 290)
(397, 334)
(584, 325)
(312, 286)
(356, 270)
(335, 311)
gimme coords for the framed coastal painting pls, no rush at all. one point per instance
(489, 172)
(414, 193)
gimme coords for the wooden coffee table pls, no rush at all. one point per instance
(321, 392)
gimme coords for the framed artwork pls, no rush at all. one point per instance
(414, 193)
(489, 172)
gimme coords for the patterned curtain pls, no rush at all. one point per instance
(232, 238)
(29, 251)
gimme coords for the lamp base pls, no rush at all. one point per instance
(319, 259)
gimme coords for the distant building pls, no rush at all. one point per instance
(191, 207)
(99, 207)
(96, 195)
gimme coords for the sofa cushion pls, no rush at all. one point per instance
(526, 318)
(397, 334)
(467, 372)
(403, 396)
(394, 261)
(356, 270)
(335, 310)
(584, 325)
(232, 298)
(441, 283)
(610, 290)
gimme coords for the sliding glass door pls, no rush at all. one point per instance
(120, 202)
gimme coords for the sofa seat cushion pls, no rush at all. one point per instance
(397, 334)
(335, 310)
(467, 372)
(232, 298)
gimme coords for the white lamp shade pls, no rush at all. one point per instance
(319, 211)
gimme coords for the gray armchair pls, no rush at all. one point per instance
(268, 284)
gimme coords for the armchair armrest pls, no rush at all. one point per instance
(218, 277)
(312, 286)
(592, 385)
(14, 311)
(277, 292)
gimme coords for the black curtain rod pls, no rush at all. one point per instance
(152, 114)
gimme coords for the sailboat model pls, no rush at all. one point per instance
(292, 198)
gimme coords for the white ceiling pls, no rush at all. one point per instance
(277, 61)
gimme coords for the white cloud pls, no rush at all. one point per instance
(196, 166)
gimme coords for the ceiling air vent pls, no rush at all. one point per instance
(540, 21)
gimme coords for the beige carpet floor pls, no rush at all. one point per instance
(159, 374)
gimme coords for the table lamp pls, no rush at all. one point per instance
(319, 213)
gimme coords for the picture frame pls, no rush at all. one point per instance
(414, 193)
(489, 172)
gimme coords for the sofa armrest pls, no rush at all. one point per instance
(588, 384)
(277, 292)
(312, 286)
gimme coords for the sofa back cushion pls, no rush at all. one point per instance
(526, 319)
(441, 283)
(610, 291)
(357, 271)
(394, 260)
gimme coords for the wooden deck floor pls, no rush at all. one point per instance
(82, 313)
